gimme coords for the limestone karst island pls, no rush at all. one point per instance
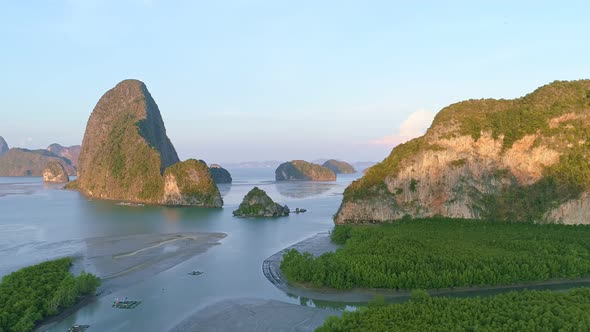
(127, 156)
(184, 166)
(523, 159)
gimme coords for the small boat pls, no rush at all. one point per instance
(125, 304)
(195, 273)
(78, 328)
(298, 210)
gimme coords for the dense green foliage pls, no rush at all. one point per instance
(247, 209)
(32, 293)
(518, 117)
(339, 167)
(441, 252)
(563, 181)
(311, 169)
(528, 203)
(515, 311)
(135, 167)
(257, 203)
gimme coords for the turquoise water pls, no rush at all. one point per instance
(39, 222)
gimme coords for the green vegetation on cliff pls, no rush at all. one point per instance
(257, 203)
(126, 155)
(441, 253)
(515, 311)
(55, 172)
(518, 117)
(135, 167)
(556, 117)
(125, 148)
(195, 184)
(372, 183)
(339, 167)
(220, 174)
(35, 292)
(561, 182)
(54, 167)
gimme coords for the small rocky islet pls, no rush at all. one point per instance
(301, 170)
(258, 204)
(220, 174)
(54, 172)
(339, 167)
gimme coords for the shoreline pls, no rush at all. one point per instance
(122, 261)
(50, 321)
(321, 243)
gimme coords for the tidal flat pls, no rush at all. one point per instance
(122, 244)
(252, 315)
(121, 261)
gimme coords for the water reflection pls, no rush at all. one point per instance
(171, 215)
(303, 189)
(224, 188)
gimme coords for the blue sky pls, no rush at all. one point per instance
(260, 80)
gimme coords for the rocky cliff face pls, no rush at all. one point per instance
(220, 174)
(258, 204)
(519, 160)
(125, 153)
(54, 172)
(23, 162)
(339, 167)
(298, 170)
(190, 183)
(69, 152)
(3, 146)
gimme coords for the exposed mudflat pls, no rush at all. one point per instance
(123, 260)
(255, 315)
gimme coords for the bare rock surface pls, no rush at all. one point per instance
(54, 172)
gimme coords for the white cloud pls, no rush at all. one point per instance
(413, 126)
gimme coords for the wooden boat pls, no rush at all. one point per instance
(125, 304)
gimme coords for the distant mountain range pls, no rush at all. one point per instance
(253, 164)
(25, 162)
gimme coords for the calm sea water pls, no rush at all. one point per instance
(39, 222)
